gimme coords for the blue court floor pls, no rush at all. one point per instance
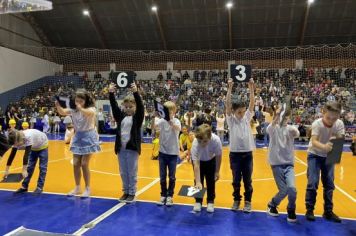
(59, 214)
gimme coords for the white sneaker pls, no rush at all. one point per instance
(210, 208)
(197, 207)
(247, 208)
(74, 192)
(86, 193)
(161, 201)
(169, 201)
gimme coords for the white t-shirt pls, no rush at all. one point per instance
(324, 133)
(34, 138)
(156, 120)
(220, 124)
(101, 116)
(281, 146)
(168, 137)
(240, 133)
(211, 150)
(81, 122)
(67, 120)
(126, 125)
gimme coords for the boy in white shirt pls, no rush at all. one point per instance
(37, 142)
(241, 145)
(323, 129)
(168, 153)
(281, 159)
(206, 157)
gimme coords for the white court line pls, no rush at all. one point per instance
(53, 161)
(15, 231)
(85, 228)
(337, 187)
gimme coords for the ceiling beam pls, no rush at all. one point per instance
(96, 24)
(304, 24)
(38, 30)
(230, 29)
(163, 38)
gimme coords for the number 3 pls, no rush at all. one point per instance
(122, 80)
(242, 75)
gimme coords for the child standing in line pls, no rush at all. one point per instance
(168, 153)
(128, 139)
(281, 159)
(85, 141)
(35, 143)
(241, 145)
(206, 158)
(323, 129)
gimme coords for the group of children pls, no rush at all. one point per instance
(202, 147)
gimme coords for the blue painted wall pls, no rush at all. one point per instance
(16, 94)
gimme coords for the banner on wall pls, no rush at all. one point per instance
(9, 6)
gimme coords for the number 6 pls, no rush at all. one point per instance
(242, 75)
(122, 80)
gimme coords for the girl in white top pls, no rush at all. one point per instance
(56, 121)
(85, 141)
(220, 129)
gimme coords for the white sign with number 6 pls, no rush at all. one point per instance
(122, 80)
(242, 75)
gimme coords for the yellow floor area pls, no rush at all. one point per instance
(106, 181)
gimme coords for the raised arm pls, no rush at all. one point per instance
(62, 111)
(140, 109)
(228, 97)
(116, 111)
(251, 86)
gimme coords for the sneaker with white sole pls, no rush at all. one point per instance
(272, 211)
(210, 208)
(130, 199)
(86, 193)
(247, 208)
(74, 192)
(197, 207)
(161, 201)
(169, 201)
(236, 206)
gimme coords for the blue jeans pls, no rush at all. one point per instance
(170, 162)
(317, 164)
(32, 161)
(241, 164)
(285, 179)
(128, 170)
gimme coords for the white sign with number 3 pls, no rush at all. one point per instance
(242, 75)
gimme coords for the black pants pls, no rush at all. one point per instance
(241, 164)
(101, 127)
(207, 172)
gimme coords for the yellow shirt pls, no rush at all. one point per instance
(185, 140)
(155, 150)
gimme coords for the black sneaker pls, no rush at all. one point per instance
(272, 211)
(130, 199)
(123, 197)
(21, 190)
(292, 217)
(329, 215)
(310, 215)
